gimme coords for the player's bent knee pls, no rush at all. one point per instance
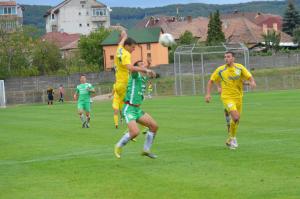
(133, 134)
(153, 128)
(236, 118)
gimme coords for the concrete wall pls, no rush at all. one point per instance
(33, 89)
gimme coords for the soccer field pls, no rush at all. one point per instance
(45, 154)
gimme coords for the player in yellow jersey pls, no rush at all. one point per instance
(231, 77)
(123, 68)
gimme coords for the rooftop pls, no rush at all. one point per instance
(140, 35)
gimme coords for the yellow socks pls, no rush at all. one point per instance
(233, 128)
(116, 120)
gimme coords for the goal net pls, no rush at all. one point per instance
(2, 95)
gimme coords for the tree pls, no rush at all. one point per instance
(90, 47)
(272, 40)
(187, 38)
(291, 19)
(296, 34)
(215, 34)
(15, 51)
(47, 58)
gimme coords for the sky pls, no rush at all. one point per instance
(135, 3)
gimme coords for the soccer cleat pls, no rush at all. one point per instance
(234, 143)
(231, 144)
(148, 154)
(117, 126)
(118, 151)
(134, 140)
(87, 125)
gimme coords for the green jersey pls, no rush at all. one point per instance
(136, 88)
(83, 91)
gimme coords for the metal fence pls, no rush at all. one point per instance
(33, 89)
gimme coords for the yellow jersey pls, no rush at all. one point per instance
(122, 59)
(231, 79)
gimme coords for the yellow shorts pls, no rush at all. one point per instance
(233, 104)
(119, 95)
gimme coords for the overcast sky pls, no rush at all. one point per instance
(135, 3)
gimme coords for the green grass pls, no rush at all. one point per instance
(45, 154)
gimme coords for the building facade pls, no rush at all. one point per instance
(77, 16)
(11, 15)
(147, 47)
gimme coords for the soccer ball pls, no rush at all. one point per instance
(166, 40)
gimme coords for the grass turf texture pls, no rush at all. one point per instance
(46, 154)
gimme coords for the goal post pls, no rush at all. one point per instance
(2, 95)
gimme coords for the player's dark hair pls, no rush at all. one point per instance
(129, 42)
(137, 63)
(230, 52)
(81, 75)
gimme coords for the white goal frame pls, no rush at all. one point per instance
(2, 95)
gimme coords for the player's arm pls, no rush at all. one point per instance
(252, 82)
(247, 75)
(123, 38)
(213, 79)
(208, 90)
(91, 89)
(218, 84)
(134, 69)
(76, 94)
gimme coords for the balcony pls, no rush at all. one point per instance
(99, 18)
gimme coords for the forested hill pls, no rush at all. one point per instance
(130, 16)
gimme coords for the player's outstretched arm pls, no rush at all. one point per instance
(141, 69)
(123, 38)
(208, 91)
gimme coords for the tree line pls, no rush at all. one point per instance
(23, 53)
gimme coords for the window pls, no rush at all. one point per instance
(88, 25)
(82, 6)
(148, 55)
(13, 10)
(148, 46)
(53, 16)
(99, 12)
(80, 25)
(112, 57)
(8, 10)
(79, 13)
(87, 13)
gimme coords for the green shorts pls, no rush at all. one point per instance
(85, 106)
(131, 113)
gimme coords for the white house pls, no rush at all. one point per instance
(11, 15)
(77, 16)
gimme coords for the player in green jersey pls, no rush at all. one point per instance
(83, 96)
(134, 115)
